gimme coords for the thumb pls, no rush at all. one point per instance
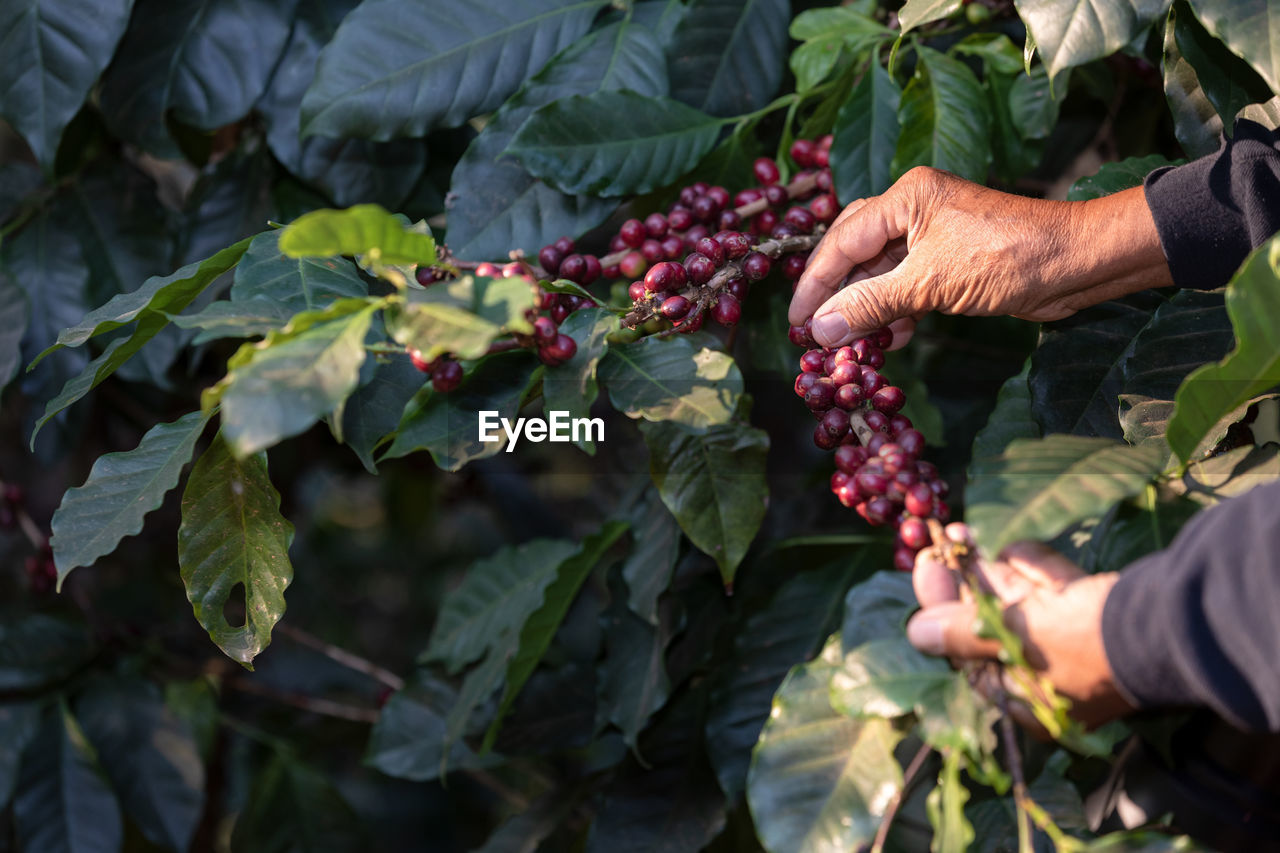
(948, 629)
(865, 305)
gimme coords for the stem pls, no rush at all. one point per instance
(324, 707)
(342, 656)
(1014, 759)
(891, 811)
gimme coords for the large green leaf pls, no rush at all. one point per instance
(819, 780)
(829, 34)
(648, 568)
(1113, 177)
(572, 387)
(1213, 391)
(866, 136)
(672, 380)
(916, 12)
(461, 317)
(877, 609)
(18, 724)
(294, 283)
(224, 319)
(148, 754)
(51, 60)
(714, 484)
(1228, 81)
(374, 409)
(1251, 28)
(201, 62)
(499, 205)
(292, 806)
(633, 683)
(787, 631)
(1076, 371)
(1077, 31)
(408, 740)
(1133, 533)
(886, 678)
(119, 492)
(541, 625)
(1034, 104)
(63, 803)
(944, 119)
(365, 229)
(37, 649)
(399, 68)
(495, 600)
(727, 56)
(284, 384)
(1040, 487)
(232, 535)
(594, 143)
(1196, 123)
(13, 324)
(1011, 418)
(448, 425)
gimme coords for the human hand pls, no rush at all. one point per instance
(1053, 606)
(936, 242)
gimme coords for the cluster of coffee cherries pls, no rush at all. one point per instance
(879, 472)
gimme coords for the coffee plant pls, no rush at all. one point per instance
(471, 314)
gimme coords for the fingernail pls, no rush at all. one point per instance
(925, 634)
(831, 329)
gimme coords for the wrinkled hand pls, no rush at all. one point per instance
(1054, 607)
(936, 242)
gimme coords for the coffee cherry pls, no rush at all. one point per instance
(904, 559)
(850, 396)
(544, 330)
(802, 151)
(836, 423)
(766, 171)
(611, 272)
(800, 219)
(679, 219)
(729, 220)
(820, 396)
(633, 265)
(798, 336)
(879, 510)
(889, 399)
(764, 222)
(777, 196)
(864, 350)
(911, 441)
(549, 259)
(738, 286)
(416, 358)
(756, 266)
(699, 268)
(704, 208)
(920, 500)
(782, 231)
(675, 307)
(687, 195)
(633, 233)
(574, 268)
(719, 195)
(747, 196)
(559, 351)
(813, 361)
(560, 312)
(823, 180)
(793, 267)
(898, 424)
(652, 250)
(564, 246)
(427, 276)
(691, 324)
(804, 382)
(877, 441)
(656, 225)
(823, 439)
(849, 458)
(712, 249)
(871, 482)
(872, 382)
(882, 337)
(843, 373)
(876, 421)
(636, 291)
(488, 270)
(446, 376)
(736, 244)
(672, 247)
(665, 276)
(594, 270)
(727, 310)
(824, 208)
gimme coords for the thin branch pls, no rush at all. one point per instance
(891, 811)
(1013, 756)
(324, 707)
(348, 659)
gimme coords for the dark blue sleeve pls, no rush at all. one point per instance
(1198, 624)
(1212, 212)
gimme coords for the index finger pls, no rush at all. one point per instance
(859, 235)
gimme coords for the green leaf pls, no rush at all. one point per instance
(63, 803)
(954, 717)
(51, 62)
(916, 12)
(525, 830)
(119, 492)
(38, 649)
(148, 754)
(407, 742)
(648, 568)
(593, 143)
(1033, 106)
(714, 484)
(13, 323)
(202, 63)
(541, 625)
(365, 229)
(448, 425)
(1196, 123)
(886, 678)
(813, 61)
(1252, 367)
(1249, 29)
(373, 411)
(1113, 177)
(633, 684)
(306, 283)
(292, 806)
(819, 780)
(727, 56)
(462, 317)
(250, 318)
(1134, 533)
(402, 69)
(18, 724)
(1011, 418)
(952, 832)
(996, 50)
(572, 387)
(1079, 31)
(877, 609)
(1077, 369)
(285, 383)
(866, 136)
(494, 601)
(232, 535)
(944, 119)
(672, 380)
(1040, 487)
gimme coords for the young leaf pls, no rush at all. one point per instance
(541, 625)
(1040, 487)
(944, 119)
(593, 144)
(365, 229)
(284, 384)
(572, 387)
(1213, 391)
(149, 756)
(232, 535)
(1113, 177)
(820, 780)
(51, 62)
(374, 410)
(952, 832)
(914, 13)
(886, 677)
(672, 380)
(408, 739)
(462, 317)
(119, 492)
(63, 802)
(633, 682)
(1078, 31)
(714, 484)
(866, 135)
(727, 56)
(648, 568)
